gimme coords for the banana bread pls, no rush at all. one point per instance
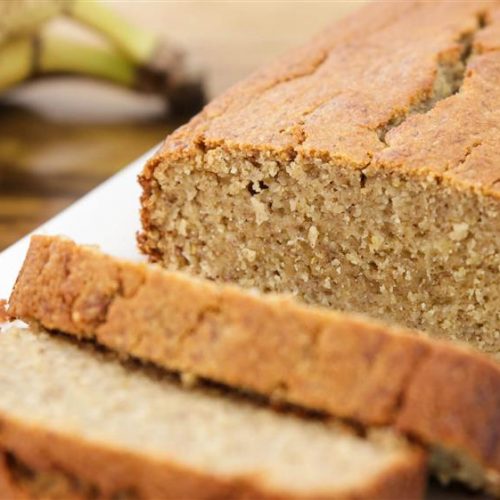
(337, 363)
(3, 311)
(361, 171)
(83, 422)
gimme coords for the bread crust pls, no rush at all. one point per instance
(8, 489)
(27, 484)
(329, 109)
(340, 364)
(114, 471)
(3, 311)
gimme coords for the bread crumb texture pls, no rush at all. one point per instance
(361, 172)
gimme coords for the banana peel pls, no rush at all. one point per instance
(132, 57)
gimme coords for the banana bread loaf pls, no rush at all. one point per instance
(361, 171)
(84, 424)
(336, 363)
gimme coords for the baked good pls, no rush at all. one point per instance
(3, 311)
(348, 366)
(361, 172)
(18, 482)
(124, 433)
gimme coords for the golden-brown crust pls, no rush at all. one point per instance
(18, 482)
(345, 365)
(334, 96)
(112, 471)
(3, 311)
(298, 63)
(8, 488)
(456, 395)
(405, 480)
(467, 153)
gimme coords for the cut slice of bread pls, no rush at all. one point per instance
(351, 367)
(128, 432)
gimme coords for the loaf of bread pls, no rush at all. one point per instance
(74, 421)
(347, 366)
(361, 171)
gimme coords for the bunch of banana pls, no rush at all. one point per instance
(133, 57)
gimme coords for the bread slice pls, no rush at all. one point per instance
(124, 433)
(347, 366)
(361, 172)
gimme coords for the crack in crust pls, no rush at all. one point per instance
(453, 75)
(468, 152)
(448, 82)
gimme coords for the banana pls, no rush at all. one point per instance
(57, 55)
(133, 57)
(15, 62)
(139, 45)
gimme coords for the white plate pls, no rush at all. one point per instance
(108, 216)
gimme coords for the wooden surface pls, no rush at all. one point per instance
(59, 138)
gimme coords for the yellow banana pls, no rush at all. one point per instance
(134, 57)
(15, 62)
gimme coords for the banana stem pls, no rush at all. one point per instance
(16, 62)
(137, 44)
(58, 55)
(30, 56)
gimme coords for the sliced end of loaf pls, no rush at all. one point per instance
(401, 247)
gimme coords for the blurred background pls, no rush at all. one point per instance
(61, 136)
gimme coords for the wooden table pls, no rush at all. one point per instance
(60, 138)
